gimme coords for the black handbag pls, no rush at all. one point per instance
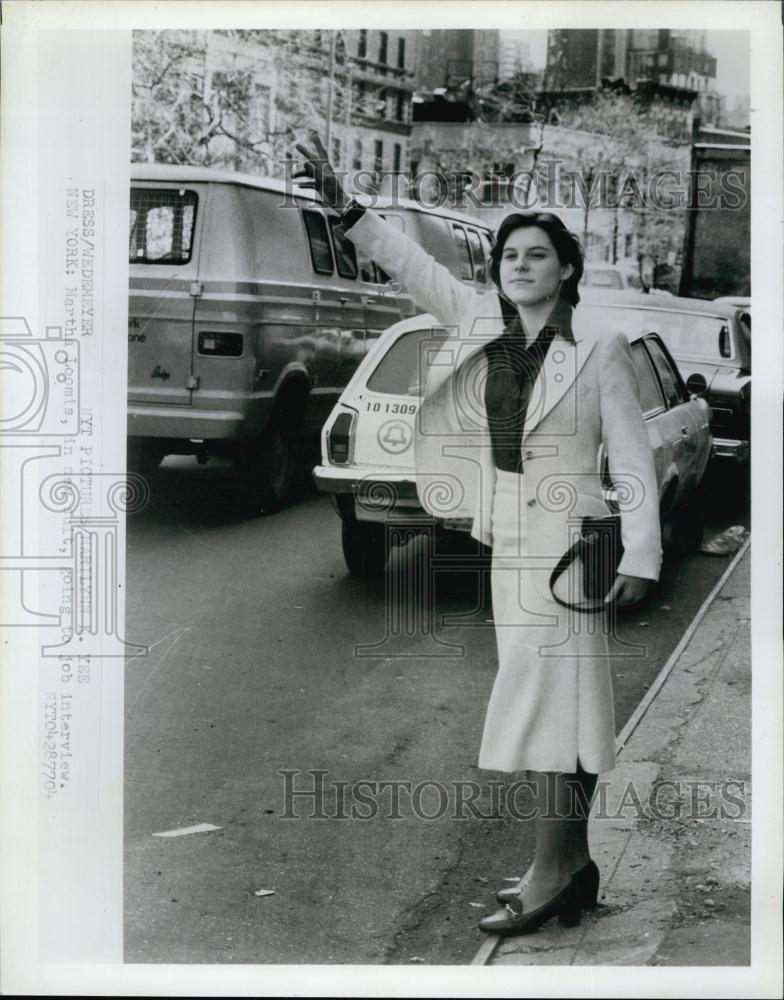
(600, 549)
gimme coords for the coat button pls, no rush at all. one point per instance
(529, 454)
(532, 503)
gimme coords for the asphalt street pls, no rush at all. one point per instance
(266, 657)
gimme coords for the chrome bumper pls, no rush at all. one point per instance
(738, 451)
(381, 496)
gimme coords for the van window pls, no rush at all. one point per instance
(345, 255)
(463, 253)
(401, 370)
(651, 398)
(399, 223)
(320, 252)
(161, 225)
(480, 269)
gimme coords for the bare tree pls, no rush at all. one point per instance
(226, 98)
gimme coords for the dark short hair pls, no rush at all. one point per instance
(566, 244)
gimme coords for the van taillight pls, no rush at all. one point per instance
(224, 345)
(339, 439)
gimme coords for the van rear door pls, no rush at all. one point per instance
(165, 225)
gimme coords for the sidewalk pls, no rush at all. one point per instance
(675, 889)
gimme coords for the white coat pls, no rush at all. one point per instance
(552, 704)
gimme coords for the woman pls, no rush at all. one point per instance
(517, 402)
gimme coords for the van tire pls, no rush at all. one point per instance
(144, 457)
(267, 471)
(364, 548)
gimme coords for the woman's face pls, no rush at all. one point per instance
(530, 271)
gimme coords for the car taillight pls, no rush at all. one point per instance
(339, 439)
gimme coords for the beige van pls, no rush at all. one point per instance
(249, 312)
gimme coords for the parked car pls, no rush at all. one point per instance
(711, 343)
(367, 454)
(250, 310)
(612, 277)
(617, 278)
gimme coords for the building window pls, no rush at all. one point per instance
(378, 160)
(382, 46)
(401, 53)
(627, 245)
(356, 163)
(336, 151)
(400, 106)
(362, 49)
(396, 158)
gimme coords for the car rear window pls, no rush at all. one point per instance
(161, 225)
(684, 334)
(399, 372)
(602, 278)
(696, 336)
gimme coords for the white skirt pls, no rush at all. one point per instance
(552, 703)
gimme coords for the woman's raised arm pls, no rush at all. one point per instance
(431, 285)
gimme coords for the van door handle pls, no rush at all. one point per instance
(343, 299)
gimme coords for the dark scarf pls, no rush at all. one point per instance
(512, 371)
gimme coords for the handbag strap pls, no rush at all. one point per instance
(561, 566)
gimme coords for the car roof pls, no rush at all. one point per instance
(591, 297)
(169, 172)
(424, 321)
(176, 172)
(665, 303)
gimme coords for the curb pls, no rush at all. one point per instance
(488, 947)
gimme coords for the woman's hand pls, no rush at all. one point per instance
(627, 590)
(318, 167)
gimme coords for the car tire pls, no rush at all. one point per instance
(266, 471)
(688, 522)
(144, 457)
(364, 548)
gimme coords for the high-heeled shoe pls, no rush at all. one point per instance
(511, 919)
(587, 879)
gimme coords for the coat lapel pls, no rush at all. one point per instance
(567, 354)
